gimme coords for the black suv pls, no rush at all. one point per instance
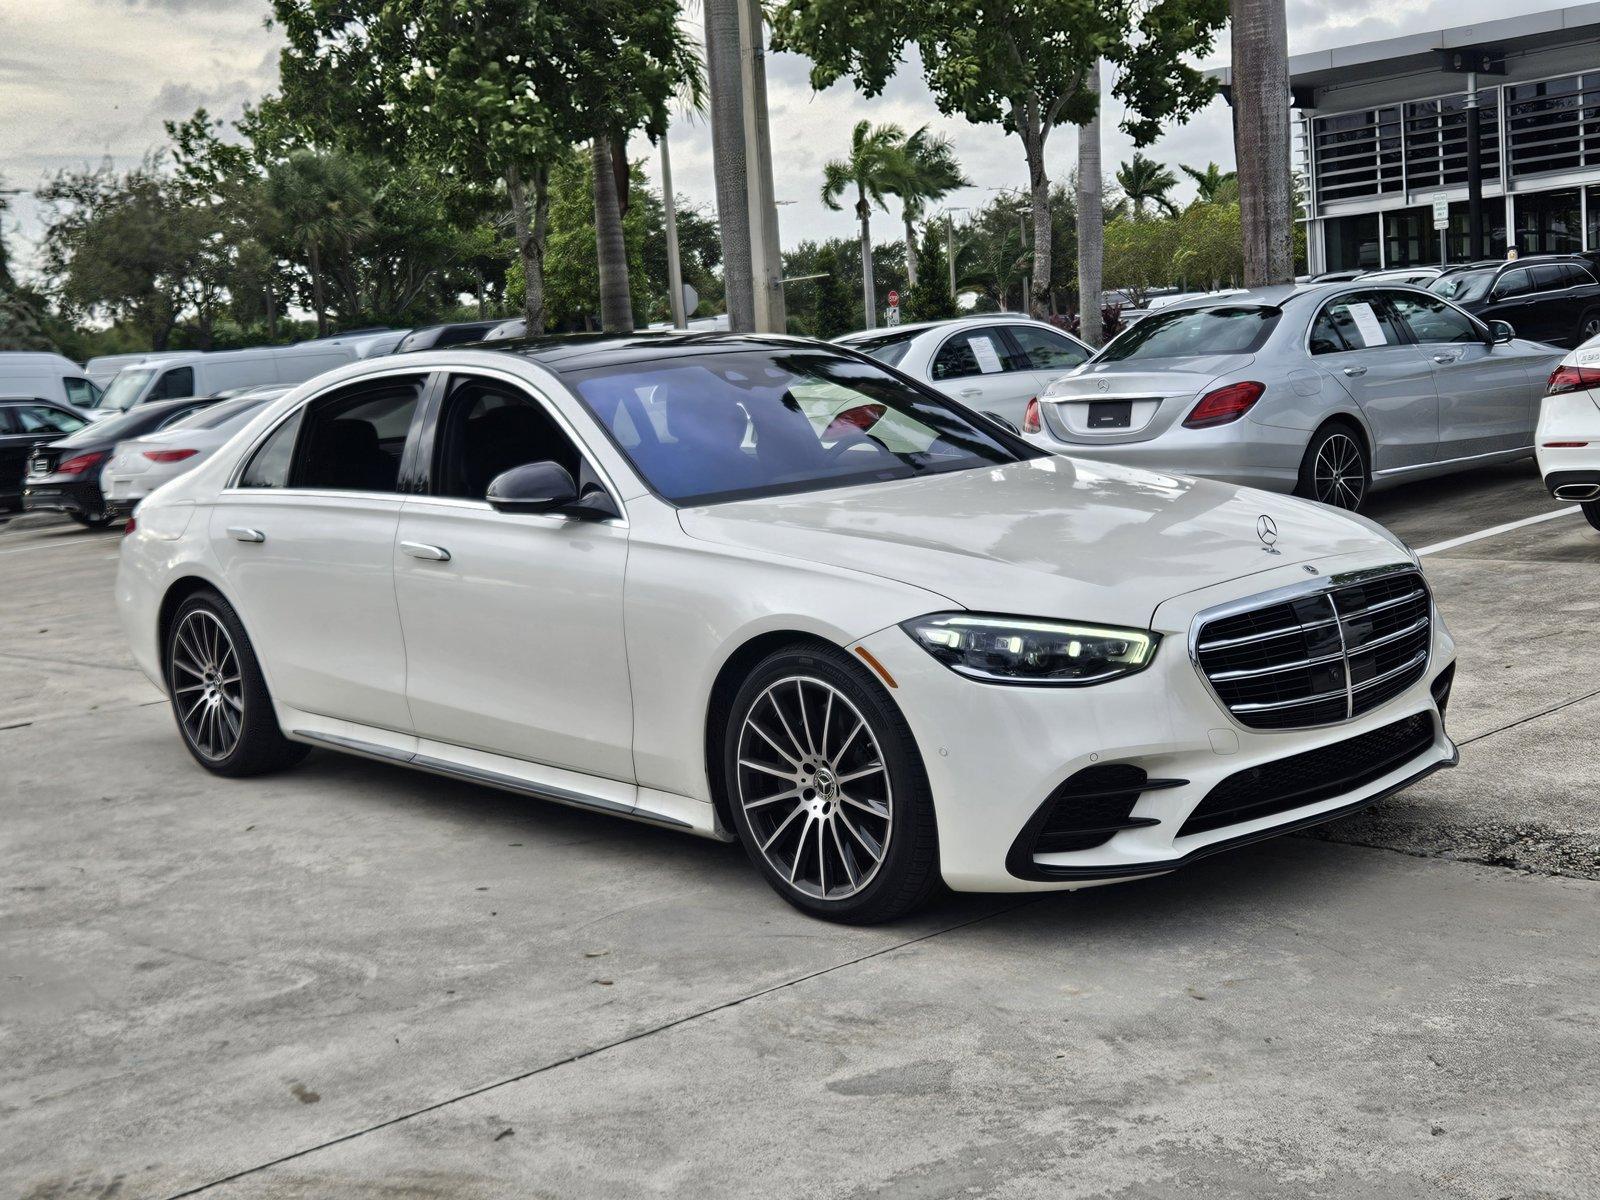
(1551, 298)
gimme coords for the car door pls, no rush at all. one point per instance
(305, 539)
(513, 621)
(1512, 300)
(1358, 340)
(1485, 403)
(978, 368)
(1045, 352)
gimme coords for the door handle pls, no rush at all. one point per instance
(1354, 371)
(1444, 358)
(969, 392)
(240, 534)
(424, 551)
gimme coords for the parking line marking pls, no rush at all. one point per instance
(1497, 529)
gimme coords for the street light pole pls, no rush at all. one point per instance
(674, 264)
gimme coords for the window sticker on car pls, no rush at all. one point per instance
(983, 350)
(1367, 325)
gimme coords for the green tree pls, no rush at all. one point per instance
(929, 298)
(21, 315)
(831, 311)
(872, 168)
(1146, 182)
(1213, 185)
(1021, 65)
(326, 207)
(1139, 255)
(925, 170)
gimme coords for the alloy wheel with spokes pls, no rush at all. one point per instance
(814, 788)
(207, 684)
(1339, 472)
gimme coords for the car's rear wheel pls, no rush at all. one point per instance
(827, 788)
(1588, 326)
(218, 694)
(1335, 470)
(1591, 512)
(92, 520)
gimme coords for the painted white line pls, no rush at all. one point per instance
(1497, 529)
(45, 546)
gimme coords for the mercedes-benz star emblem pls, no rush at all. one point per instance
(1103, 385)
(1267, 531)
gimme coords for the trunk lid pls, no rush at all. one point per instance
(1084, 408)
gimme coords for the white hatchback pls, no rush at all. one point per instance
(670, 579)
(997, 363)
(1568, 440)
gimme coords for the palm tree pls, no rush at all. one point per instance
(1213, 185)
(1091, 218)
(927, 170)
(616, 305)
(1260, 48)
(324, 204)
(1145, 181)
(724, 75)
(874, 159)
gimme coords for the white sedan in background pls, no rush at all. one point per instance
(995, 363)
(1568, 440)
(141, 465)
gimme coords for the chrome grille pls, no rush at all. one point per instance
(1320, 656)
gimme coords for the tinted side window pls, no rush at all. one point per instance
(1580, 276)
(1325, 335)
(1047, 351)
(174, 384)
(975, 352)
(270, 466)
(1513, 283)
(1549, 279)
(486, 428)
(7, 423)
(81, 392)
(1362, 321)
(1432, 321)
(352, 440)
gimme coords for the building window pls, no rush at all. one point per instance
(1553, 125)
(1351, 243)
(1549, 223)
(1436, 140)
(1494, 228)
(1410, 238)
(1358, 154)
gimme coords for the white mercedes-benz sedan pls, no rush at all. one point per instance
(766, 589)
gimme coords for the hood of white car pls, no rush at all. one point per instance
(1051, 536)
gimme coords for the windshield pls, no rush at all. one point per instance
(1192, 333)
(1463, 285)
(216, 415)
(735, 425)
(126, 387)
(888, 348)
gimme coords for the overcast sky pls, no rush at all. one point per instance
(84, 79)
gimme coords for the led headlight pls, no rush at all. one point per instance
(1021, 650)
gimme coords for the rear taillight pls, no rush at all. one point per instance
(1030, 417)
(129, 527)
(852, 420)
(1224, 405)
(1565, 445)
(80, 463)
(1571, 379)
(165, 456)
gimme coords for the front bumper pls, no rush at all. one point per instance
(81, 496)
(994, 753)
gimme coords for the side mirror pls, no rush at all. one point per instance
(546, 487)
(1500, 332)
(1003, 421)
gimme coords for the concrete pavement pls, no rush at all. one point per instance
(352, 980)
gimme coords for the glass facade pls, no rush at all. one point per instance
(1351, 242)
(1549, 222)
(1410, 240)
(1494, 228)
(1594, 217)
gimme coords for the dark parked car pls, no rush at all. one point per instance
(24, 425)
(64, 475)
(1551, 298)
(437, 337)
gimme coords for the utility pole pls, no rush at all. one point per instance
(950, 246)
(766, 255)
(674, 265)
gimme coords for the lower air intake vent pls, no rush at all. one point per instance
(1312, 777)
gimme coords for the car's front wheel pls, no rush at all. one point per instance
(827, 788)
(219, 696)
(1335, 470)
(1591, 512)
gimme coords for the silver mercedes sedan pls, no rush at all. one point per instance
(1330, 391)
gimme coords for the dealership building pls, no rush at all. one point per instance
(1381, 141)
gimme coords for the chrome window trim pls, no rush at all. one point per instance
(1321, 585)
(1403, 289)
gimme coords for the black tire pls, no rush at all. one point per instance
(94, 520)
(1591, 512)
(1588, 326)
(1336, 470)
(244, 737)
(820, 685)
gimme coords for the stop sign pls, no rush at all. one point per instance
(894, 298)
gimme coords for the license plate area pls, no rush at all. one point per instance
(1110, 414)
